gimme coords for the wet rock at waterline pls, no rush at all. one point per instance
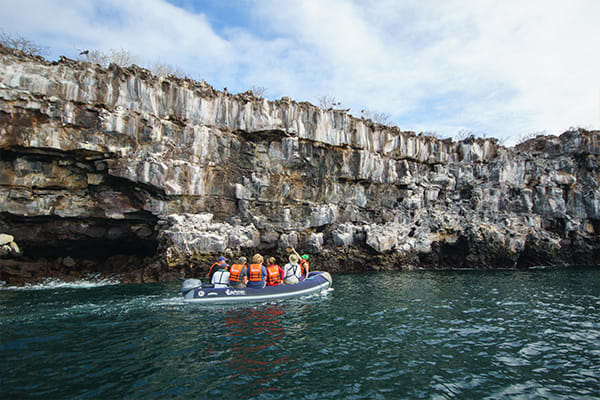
(145, 178)
(8, 247)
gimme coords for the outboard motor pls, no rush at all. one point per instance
(188, 286)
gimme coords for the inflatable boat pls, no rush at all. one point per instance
(193, 291)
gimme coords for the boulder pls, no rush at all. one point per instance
(315, 243)
(288, 240)
(343, 235)
(6, 239)
(382, 238)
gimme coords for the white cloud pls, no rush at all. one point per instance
(500, 67)
(150, 29)
(504, 68)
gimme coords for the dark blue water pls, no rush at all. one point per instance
(468, 335)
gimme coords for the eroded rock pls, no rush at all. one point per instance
(134, 166)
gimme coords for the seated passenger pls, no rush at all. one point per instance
(238, 274)
(220, 278)
(304, 266)
(292, 271)
(257, 272)
(221, 263)
(274, 273)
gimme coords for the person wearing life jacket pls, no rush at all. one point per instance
(238, 274)
(304, 265)
(274, 273)
(221, 263)
(292, 271)
(220, 278)
(257, 272)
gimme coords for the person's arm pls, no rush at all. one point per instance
(295, 252)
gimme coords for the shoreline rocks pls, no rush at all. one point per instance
(8, 247)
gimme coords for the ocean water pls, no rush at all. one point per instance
(416, 335)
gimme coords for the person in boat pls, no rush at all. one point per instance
(221, 263)
(304, 265)
(292, 271)
(257, 272)
(220, 278)
(238, 274)
(274, 273)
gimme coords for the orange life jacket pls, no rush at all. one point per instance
(255, 273)
(211, 268)
(273, 275)
(235, 273)
(304, 266)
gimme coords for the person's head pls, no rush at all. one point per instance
(271, 260)
(305, 257)
(293, 258)
(257, 259)
(221, 260)
(242, 260)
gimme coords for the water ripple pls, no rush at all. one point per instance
(472, 334)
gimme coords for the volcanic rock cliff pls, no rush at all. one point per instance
(117, 171)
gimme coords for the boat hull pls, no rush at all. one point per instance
(316, 282)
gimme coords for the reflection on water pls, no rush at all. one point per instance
(256, 332)
(468, 334)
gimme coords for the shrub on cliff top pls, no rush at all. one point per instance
(328, 102)
(381, 118)
(258, 91)
(161, 69)
(121, 57)
(21, 44)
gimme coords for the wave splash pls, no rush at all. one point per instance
(88, 281)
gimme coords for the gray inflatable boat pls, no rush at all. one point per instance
(193, 291)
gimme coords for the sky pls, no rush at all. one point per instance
(504, 69)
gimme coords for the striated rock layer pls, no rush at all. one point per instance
(117, 171)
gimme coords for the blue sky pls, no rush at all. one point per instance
(500, 68)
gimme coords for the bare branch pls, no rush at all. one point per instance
(121, 57)
(96, 57)
(21, 44)
(381, 118)
(327, 102)
(463, 134)
(258, 91)
(164, 70)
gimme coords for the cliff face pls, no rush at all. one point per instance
(117, 171)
